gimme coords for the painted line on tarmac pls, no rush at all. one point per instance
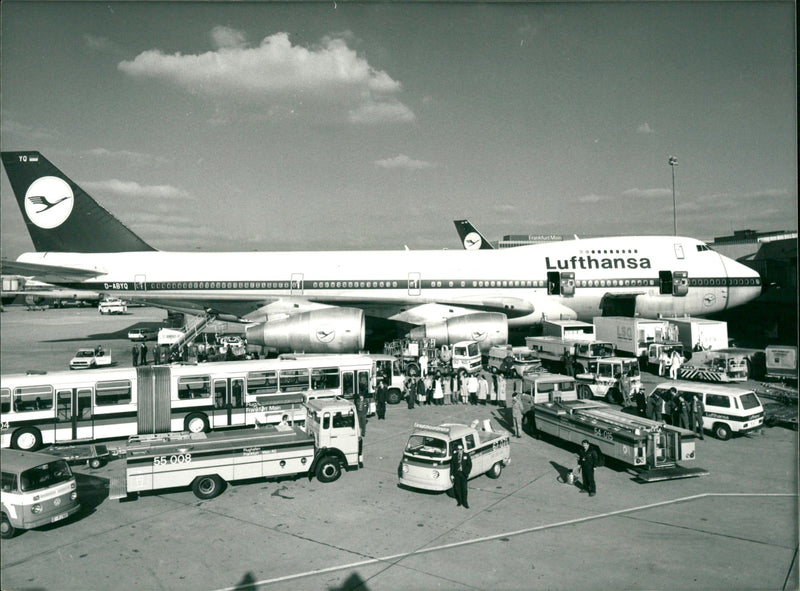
(519, 532)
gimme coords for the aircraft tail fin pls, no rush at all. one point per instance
(471, 239)
(60, 216)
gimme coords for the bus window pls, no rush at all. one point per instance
(194, 387)
(294, 380)
(348, 384)
(262, 382)
(363, 383)
(110, 393)
(5, 400)
(31, 398)
(326, 378)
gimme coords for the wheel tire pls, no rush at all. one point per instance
(27, 439)
(495, 471)
(584, 392)
(6, 529)
(328, 469)
(196, 423)
(208, 487)
(96, 463)
(613, 396)
(395, 396)
(722, 431)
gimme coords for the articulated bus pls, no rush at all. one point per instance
(68, 406)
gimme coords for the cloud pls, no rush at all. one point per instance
(98, 43)
(135, 158)
(133, 190)
(329, 73)
(644, 128)
(403, 161)
(26, 132)
(647, 193)
(592, 198)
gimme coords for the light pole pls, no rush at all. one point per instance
(673, 162)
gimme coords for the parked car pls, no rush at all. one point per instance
(143, 334)
(90, 358)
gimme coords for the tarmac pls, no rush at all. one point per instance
(736, 528)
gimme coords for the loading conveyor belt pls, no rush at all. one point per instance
(621, 420)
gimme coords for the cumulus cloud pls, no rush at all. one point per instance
(277, 70)
(647, 193)
(403, 161)
(644, 128)
(134, 190)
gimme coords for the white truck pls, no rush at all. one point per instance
(512, 362)
(90, 359)
(568, 329)
(426, 459)
(700, 334)
(112, 306)
(602, 380)
(461, 357)
(632, 335)
(206, 461)
(557, 352)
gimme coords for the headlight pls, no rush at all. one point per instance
(405, 467)
(73, 495)
(37, 508)
(435, 473)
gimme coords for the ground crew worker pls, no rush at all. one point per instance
(698, 408)
(681, 410)
(483, 389)
(625, 388)
(675, 364)
(135, 355)
(472, 388)
(460, 467)
(411, 391)
(143, 354)
(421, 393)
(516, 414)
(381, 396)
(587, 460)
(361, 412)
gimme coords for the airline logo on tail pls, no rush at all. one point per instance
(473, 241)
(48, 202)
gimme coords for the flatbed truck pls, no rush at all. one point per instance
(207, 461)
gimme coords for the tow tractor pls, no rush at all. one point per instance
(602, 379)
(206, 461)
(715, 366)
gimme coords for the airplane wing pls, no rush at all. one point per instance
(48, 273)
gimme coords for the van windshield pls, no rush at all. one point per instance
(424, 445)
(45, 476)
(749, 400)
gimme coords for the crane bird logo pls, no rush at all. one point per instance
(326, 334)
(49, 201)
(472, 241)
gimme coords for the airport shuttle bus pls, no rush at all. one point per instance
(64, 407)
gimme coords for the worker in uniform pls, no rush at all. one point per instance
(624, 381)
(423, 364)
(143, 355)
(587, 460)
(411, 391)
(516, 414)
(663, 362)
(381, 396)
(681, 410)
(472, 388)
(675, 364)
(420, 390)
(698, 408)
(135, 355)
(460, 467)
(483, 390)
(361, 412)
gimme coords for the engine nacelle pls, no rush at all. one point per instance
(332, 330)
(487, 328)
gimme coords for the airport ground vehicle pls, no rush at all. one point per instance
(653, 449)
(205, 462)
(67, 407)
(781, 362)
(602, 378)
(654, 351)
(512, 362)
(633, 335)
(37, 489)
(426, 458)
(143, 334)
(727, 410)
(556, 352)
(700, 333)
(461, 357)
(90, 359)
(112, 306)
(725, 365)
(569, 329)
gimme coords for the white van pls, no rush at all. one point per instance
(727, 410)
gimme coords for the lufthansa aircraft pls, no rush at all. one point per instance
(318, 301)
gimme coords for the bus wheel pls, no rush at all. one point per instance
(196, 423)
(394, 396)
(613, 396)
(6, 529)
(722, 431)
(208, 487)
(496, 470)
(27, 439)
(584, 392)
(328, 469)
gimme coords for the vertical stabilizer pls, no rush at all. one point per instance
(471, 239)
(62, 217)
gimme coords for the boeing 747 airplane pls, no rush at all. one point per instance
(318, 301)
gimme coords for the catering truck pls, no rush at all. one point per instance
(568, 329)
(652, 449)
(206, 461)
(633, 335)
(700, 334)
(557, 352)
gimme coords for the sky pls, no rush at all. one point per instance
(220, 126)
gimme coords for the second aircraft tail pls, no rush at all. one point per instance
(471, 239)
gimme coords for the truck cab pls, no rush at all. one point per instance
(333, 423)
(466, 357)
(512, 362)
(602, 379)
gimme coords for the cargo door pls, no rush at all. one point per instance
(414, 284)
(297, 284)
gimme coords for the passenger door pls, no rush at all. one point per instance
(74, 417)
(229, 406)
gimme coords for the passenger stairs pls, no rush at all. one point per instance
(192, 330)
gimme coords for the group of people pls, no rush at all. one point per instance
(670, 363)
(139, 353)
(440, 389)
(676, 410)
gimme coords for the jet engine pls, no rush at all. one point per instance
(330, 330)
(487, 328)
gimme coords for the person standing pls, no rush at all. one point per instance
(463, 389)
(428, 390)
(460, 467)
(381, 396)
(501, 391)
(698, 408)
(361, 412)
(411, 391)
(143, 354)
(135, 355)
(650, 407)
(675, 364)
(156, 355)
(625, 388)
(420, 385)
(438, 391)
(516, 414)
(472, 388)
(483, 390)
(587, 460)
(663, 362)
(423, 364)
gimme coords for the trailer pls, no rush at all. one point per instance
(633, 335)
(565, 354)
(568, 329)
(700, 334)
(207, 461)
(95, 455)
(781, 362)
(651, 449)
(726, 365)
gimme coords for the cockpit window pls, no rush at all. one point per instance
(702, 247)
